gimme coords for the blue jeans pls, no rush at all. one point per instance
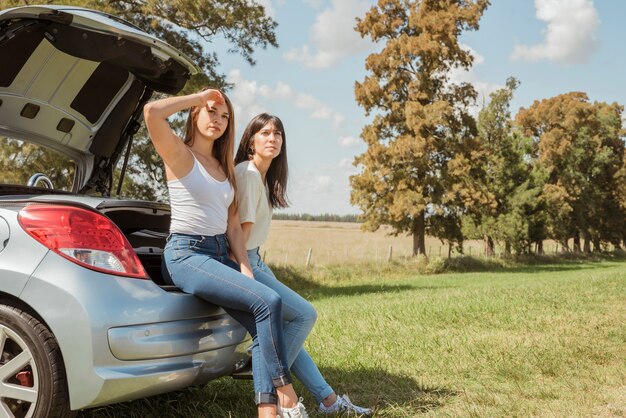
(299, 317)
(197, 265)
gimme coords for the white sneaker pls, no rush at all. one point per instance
(343, 404)
(298, 411)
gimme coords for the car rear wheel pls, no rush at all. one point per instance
(32, 375)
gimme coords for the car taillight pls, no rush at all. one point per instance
(84, 237)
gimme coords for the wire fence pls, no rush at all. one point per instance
(347, 255)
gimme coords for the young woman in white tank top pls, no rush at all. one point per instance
(205, 227)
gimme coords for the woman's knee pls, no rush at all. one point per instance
(272, 301)
(308, 313)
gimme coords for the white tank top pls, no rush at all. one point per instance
(199, 203)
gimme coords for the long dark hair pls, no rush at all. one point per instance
(223, 146)
(278, 172)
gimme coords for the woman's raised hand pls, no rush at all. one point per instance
(210, 96)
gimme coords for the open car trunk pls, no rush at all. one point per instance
(146, 226)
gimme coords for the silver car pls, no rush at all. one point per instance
(86, 316)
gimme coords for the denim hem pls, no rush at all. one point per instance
(324, 394)
(263, 398)
(281, 381)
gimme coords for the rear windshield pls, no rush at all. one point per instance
(21, 161)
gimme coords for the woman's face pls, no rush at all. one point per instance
(212, 121)
(268, 142)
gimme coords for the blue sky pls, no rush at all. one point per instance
(551, 46)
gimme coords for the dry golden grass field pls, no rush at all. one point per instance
(344, 242)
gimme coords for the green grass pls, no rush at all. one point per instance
(544, 339)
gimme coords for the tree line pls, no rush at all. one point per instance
(324, 217)
(556, 170)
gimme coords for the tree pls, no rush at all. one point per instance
(418, 171)
(580, 148)
(190, 26)
(508, 177)
(19, 161)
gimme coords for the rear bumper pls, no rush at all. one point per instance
(132, 381)
(124, 339)
(172, 339)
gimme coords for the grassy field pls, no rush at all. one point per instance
(541, 340)
(344, 242)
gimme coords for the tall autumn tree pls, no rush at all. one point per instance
(580, 148)
(190, 26)
(417, 173)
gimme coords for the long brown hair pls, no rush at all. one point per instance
(223, 146)
(278, 172)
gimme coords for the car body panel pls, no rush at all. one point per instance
(101, 305)
(20, 254)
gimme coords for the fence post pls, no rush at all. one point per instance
(390, 252)
(308, 257)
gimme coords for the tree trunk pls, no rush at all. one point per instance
(488, 246)
(507, 248)
(597, 246)
(577, 242)
(540, 247)
(564, 246)
(586, 243)
(419, 232)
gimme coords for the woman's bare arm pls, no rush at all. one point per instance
(167, 144)
(237, 242)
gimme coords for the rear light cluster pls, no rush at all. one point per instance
(84, 237)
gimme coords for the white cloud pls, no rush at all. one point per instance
(328, 192)
(570, 33)
(337, 120)
(322, 184)
(333, 35)
(283, 91)
(247, 95)
(349, 141)
(346, 163)
(320, 110)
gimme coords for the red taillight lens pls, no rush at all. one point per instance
(83, 237)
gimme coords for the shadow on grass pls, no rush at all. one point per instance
(300, 280)
(530, 263)
(386, 393)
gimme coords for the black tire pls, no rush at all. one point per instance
(32, 374)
